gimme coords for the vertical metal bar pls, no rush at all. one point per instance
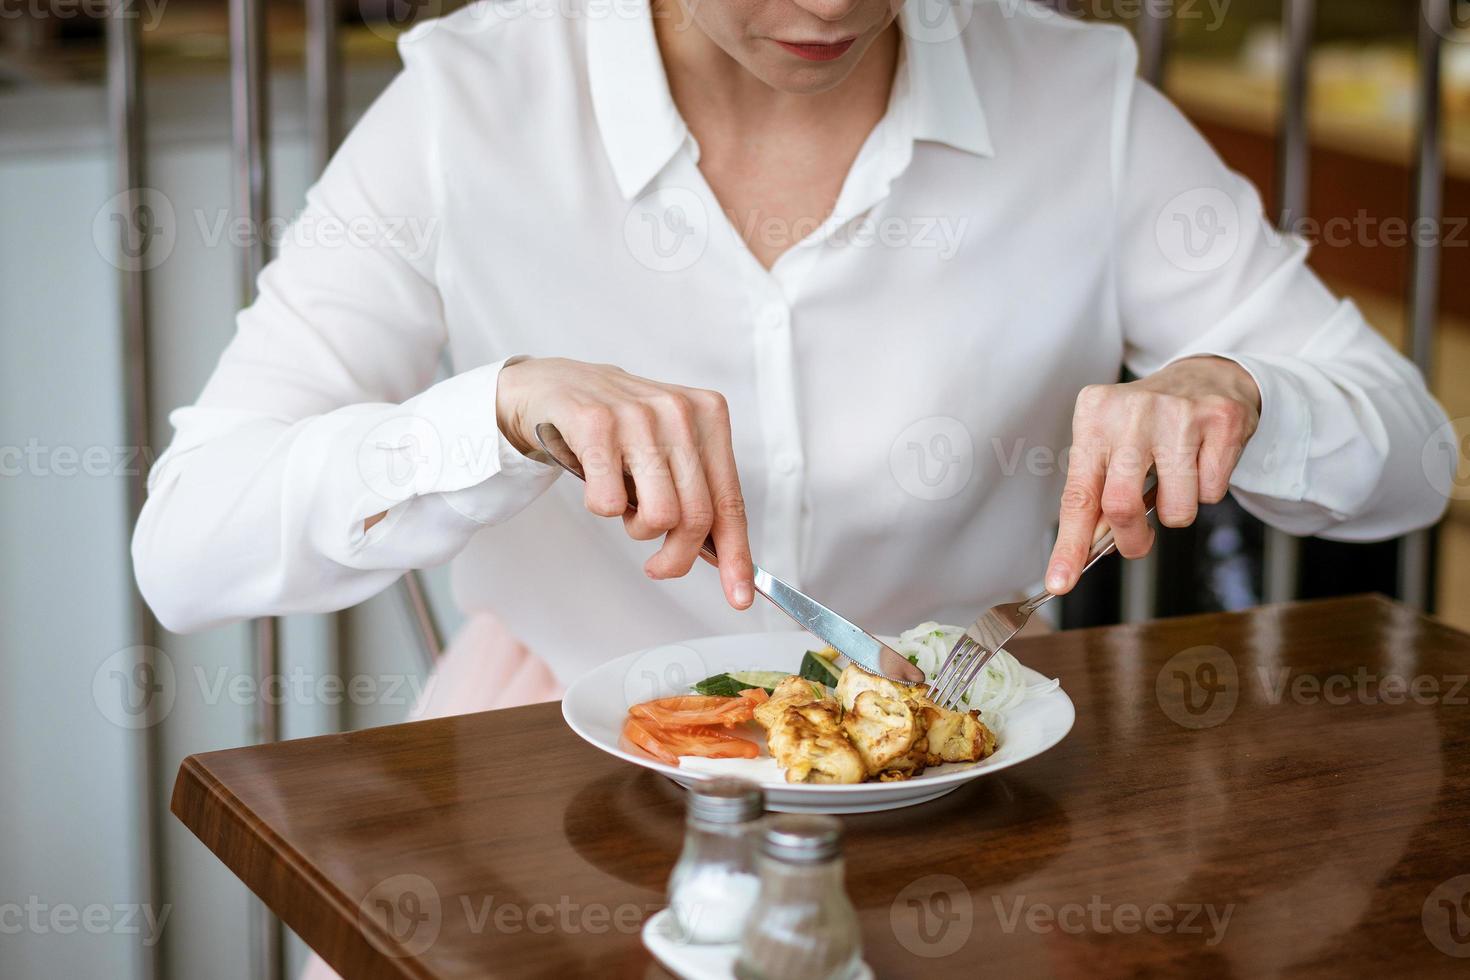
(125, 124)
(1293, 168)
(323, 82)
(1415, 550)
(1155, 22)
(248, 134)
(1140, 581)
(323, 131)
(252, 199)
(416, 606)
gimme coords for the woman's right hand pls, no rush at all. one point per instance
(675, 441)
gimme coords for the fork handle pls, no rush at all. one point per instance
(1102, 546)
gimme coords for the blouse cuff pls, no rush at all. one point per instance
(1274, 461)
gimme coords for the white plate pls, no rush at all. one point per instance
(597, 704)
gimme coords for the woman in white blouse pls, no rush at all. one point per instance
(827, 282)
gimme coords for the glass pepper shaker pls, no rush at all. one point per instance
(714, 884)
(803, 926)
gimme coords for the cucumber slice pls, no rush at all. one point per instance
(766, 679)
(816, 667)
(720, 686)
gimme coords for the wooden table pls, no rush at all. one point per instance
(1285, 790)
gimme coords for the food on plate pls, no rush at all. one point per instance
(695, 709)
(954, 736)
(790, 693)
(666, 744)
(886, 725)
(829, 725)
(807, 740)
(889, 734)
(820, 666)
(731, 684)
(1000, 687)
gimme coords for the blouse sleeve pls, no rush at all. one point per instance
(320, 412)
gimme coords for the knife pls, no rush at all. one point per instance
(857, 645)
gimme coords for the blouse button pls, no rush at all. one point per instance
(773, 317)
(786, 463)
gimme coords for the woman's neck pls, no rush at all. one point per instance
(705, 80)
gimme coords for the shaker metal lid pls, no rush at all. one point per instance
(802, 839)
(725, 800)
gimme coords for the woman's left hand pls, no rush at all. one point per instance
(1190, 422)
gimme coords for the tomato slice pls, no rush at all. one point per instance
(708, 743)
(643, 735)
(695, 709)
(756, 695)
(667, 744)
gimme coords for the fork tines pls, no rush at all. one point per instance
(965, 661)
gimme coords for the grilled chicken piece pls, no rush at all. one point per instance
(790, 693)
(955, 736)
(855, 681)
(888, 733)
(807, 741)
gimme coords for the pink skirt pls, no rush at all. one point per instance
(484, 668)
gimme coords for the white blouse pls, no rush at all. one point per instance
(1026, 219)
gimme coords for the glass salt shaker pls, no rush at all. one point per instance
(803, 926)
(714, 884)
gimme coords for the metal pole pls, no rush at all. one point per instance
(323, 128)
(1155, 21)
(1140, 585)
(416, 606)
(323, 82)
(1415, 550)
(1293, 162)
(125, 124)
(252, 200)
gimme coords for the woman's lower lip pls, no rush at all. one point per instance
(818, 52)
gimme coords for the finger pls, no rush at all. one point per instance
(696, 512)
(658, 501)
(591, 435)
(730, 530)
(1122, 500)
(1223, 439)
(1178, 483)
(1080, 510)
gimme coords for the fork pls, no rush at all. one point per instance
(993, 630)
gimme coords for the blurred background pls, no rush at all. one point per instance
(114, 307)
